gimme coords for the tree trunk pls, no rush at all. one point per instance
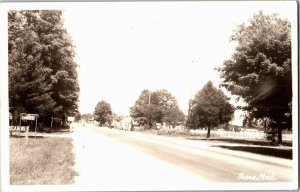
(208, 132)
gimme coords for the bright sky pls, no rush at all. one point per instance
(125, 47)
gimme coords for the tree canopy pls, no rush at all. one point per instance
(42, 70)
(157, 106)
(103, 112)
(209, 108)
(87, 117)
(259, 71)
(77, 117)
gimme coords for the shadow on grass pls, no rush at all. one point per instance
(60, 130)
(22, 136)
(275, 152)
(243, 141)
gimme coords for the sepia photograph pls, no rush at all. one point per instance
(149, 96)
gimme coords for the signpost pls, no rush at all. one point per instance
(29, 117)
(71, 120)
(27, 130)
(10, 120)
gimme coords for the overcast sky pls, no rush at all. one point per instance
(123, 48)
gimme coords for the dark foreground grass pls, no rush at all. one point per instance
(241, 141)
(42, 161)
(275, 152)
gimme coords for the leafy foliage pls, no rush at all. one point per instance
(77, 117)
(42, 71)
(259, 71)
(87, 117)
(158, 106)
(209, 108)
(103, 112)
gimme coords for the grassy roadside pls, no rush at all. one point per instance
(42, 161)
(213, 138)
(247, 145)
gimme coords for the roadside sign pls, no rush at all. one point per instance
(30, 117)
(71, 119)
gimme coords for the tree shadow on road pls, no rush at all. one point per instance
(275, 152)
(243, 141)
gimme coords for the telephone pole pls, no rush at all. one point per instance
(149, 98)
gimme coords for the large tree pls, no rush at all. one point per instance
(209, 108)
(103, 113)
(157, 106)
(42, 71)
(259, 71)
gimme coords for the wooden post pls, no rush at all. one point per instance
(20, 124)
(51, 121)
(35, 126)
(149, 101)
(27, 130)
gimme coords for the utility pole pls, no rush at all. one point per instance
(149, 109)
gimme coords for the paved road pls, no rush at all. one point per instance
(109, 159)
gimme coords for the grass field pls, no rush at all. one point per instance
(42, 161)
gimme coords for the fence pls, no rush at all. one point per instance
(244, 134)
